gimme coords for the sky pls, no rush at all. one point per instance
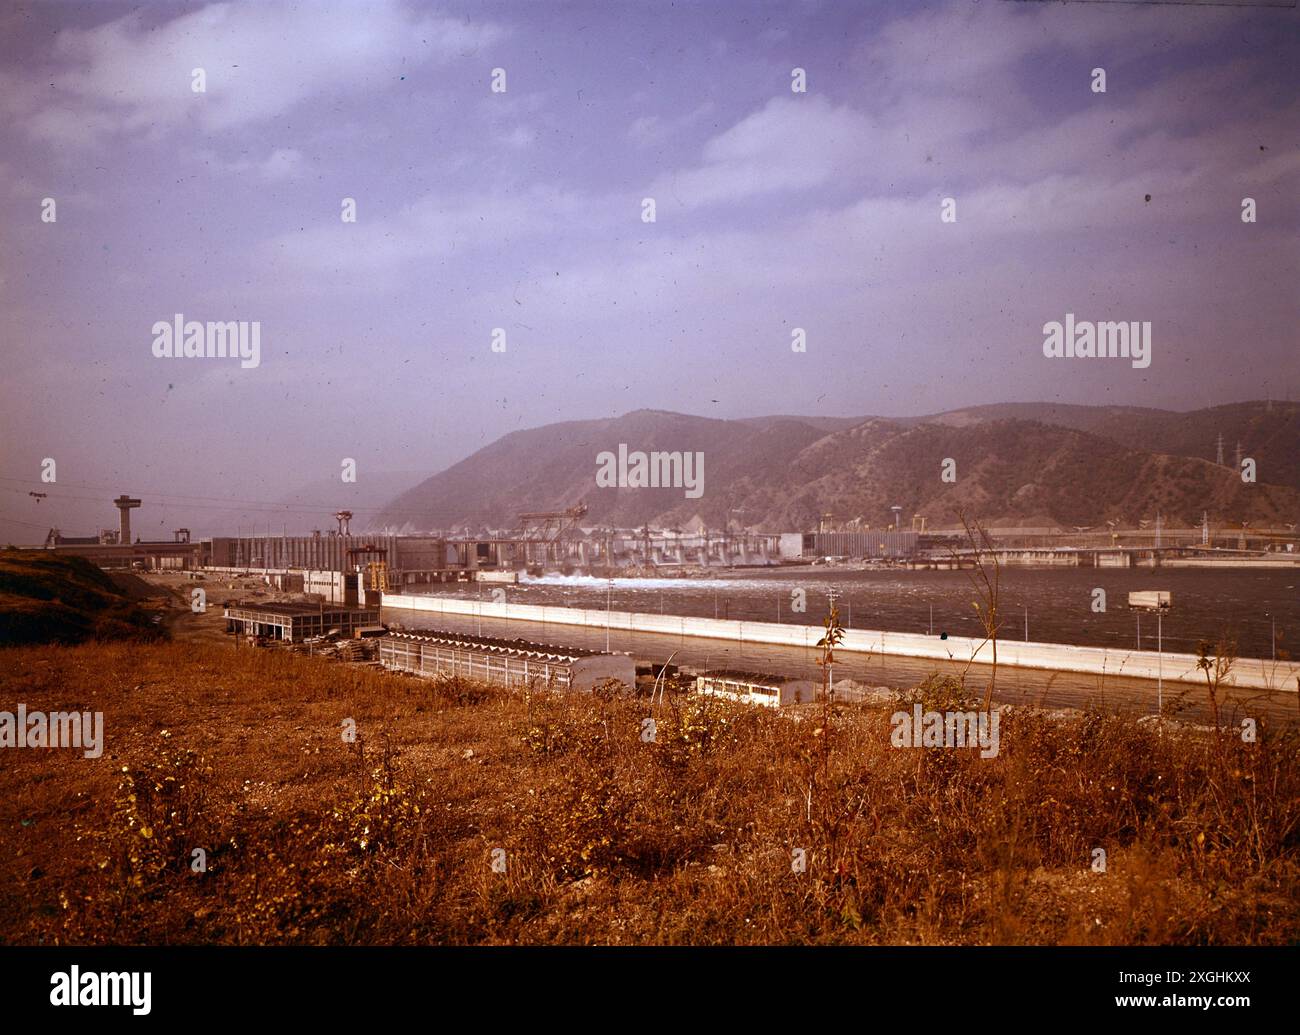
(776, 211)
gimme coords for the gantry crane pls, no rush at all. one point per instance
(547, 526)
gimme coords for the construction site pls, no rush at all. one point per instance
(356, 568)
(296, 623)
(352, 568)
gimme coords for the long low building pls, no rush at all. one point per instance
(887, 544)
(756, 687)
(505, 662)
(294, 623)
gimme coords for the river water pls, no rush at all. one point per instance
(1056, 602)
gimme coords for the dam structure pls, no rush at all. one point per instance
(1251, 673)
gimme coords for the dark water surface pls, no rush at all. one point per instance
(1207, 603)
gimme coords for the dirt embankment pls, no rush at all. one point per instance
(49, 598)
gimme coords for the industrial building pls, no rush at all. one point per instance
(356, 570)
(883, 544)
(293, 623)
(333, 551)
(112, 548)
(505, 662)
(178, 554)
(756, 687)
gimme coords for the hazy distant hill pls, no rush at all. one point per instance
(1268, 432)
(1069, 465)
(554, 467)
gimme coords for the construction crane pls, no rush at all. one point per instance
(376, 571)
(537, 526)
(546, 526)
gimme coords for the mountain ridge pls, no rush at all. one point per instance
(1072, 464)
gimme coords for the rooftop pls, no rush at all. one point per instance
(293, 610)
(760, 678)
(496, 644)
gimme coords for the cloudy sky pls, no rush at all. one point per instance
(523, 210)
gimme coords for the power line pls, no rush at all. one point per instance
(229, 504)
(27, 524)
(160, 495)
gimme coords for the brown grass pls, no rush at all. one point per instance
(607, 837)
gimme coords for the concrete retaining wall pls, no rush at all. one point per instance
(1058, 657)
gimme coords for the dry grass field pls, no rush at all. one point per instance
(601, 836)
